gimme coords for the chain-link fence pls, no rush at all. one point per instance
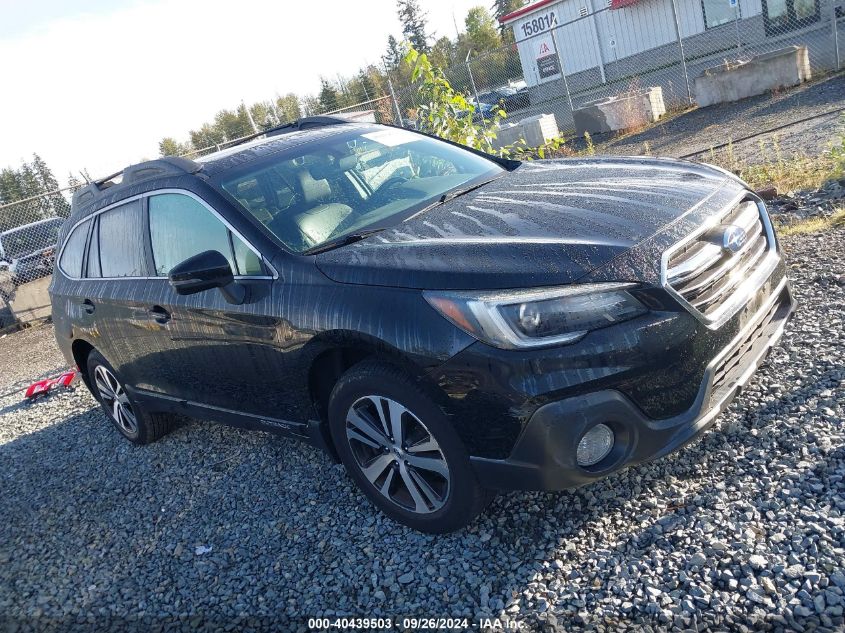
(568, 55)
(29, 230)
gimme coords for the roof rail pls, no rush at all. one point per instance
(168, 165)
(305, 123)
(179, 165)
(302, 123)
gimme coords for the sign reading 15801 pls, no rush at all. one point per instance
(539, 24)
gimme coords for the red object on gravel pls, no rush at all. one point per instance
(43, 386)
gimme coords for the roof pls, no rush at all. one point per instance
(250, 148)
(528, 8)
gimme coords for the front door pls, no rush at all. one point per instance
(211, 352)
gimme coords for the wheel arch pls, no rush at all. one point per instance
(335, 353)
(80, 350)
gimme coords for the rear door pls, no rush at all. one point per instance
(112, 297)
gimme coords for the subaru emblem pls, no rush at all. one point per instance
(733, 239)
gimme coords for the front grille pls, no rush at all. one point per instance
(706, 272)
(736, 360)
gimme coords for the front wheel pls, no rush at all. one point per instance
(401, 450)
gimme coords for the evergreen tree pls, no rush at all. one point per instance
(393, 56)
(10, 186)
(366, 88)
(413, 20)
(503, 7)
(171, 147)
(55, 202)
(328, 98)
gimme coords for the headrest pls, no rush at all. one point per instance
(333, 166)
(313, 190)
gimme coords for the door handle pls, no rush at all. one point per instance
(87, 306)
(159, 314)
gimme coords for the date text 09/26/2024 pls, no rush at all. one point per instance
(413, 623)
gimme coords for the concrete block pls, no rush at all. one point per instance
(31, 301)
(535, 130)
(620, 112)
(782, 68)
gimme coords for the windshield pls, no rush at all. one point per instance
(365, 178)
(30, 239)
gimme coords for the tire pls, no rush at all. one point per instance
(135, 424)
(429, 457)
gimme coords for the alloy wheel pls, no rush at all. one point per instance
(398, 454)
(113, 396)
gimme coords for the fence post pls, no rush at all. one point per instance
(474, 89)
(835, 26)
(736, 26)
(400, 122)
(563, 72)
(597, 40)
(681, 48)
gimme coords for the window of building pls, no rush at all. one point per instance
(121, 241)
(718, 12)
(781, 16)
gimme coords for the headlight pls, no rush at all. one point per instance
(512, 319)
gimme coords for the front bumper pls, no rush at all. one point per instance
(543, 457)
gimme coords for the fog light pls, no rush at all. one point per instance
(595, 445)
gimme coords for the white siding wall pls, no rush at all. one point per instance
(640, 27)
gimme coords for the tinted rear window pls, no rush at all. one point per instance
(71, 261)
(121, 241)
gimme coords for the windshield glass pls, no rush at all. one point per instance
(30, 239)
(365, 178)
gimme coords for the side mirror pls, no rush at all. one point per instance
(203, 271)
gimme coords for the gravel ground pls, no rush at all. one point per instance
(703, 128)
(744, 528)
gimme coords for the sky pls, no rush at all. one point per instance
(96, 84)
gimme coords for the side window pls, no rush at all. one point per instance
(93, 266)
(181, 227)
(71, 261)
(121, 242)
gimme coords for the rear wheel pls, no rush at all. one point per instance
(131, 420)
(401, 450)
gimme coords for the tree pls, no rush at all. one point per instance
(503, 7)
(205, 137)
(445, 112)
(288, 108)
(10, 186)
(54, 203)
(171, 147)
(328, 97)
(442, 53)
(481, 30)
(393, 56)
(413, 20)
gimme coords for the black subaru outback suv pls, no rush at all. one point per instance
(444, 322)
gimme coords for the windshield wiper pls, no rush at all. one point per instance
(457, 193)
(350, 238)
(449, 195)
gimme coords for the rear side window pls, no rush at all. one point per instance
(71, 260)
(121, 241)
(181, 227)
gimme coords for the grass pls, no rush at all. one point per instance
(813, 225)
(786, 173)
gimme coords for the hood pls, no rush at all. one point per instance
(545, 223)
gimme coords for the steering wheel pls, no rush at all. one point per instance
(393, 181)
